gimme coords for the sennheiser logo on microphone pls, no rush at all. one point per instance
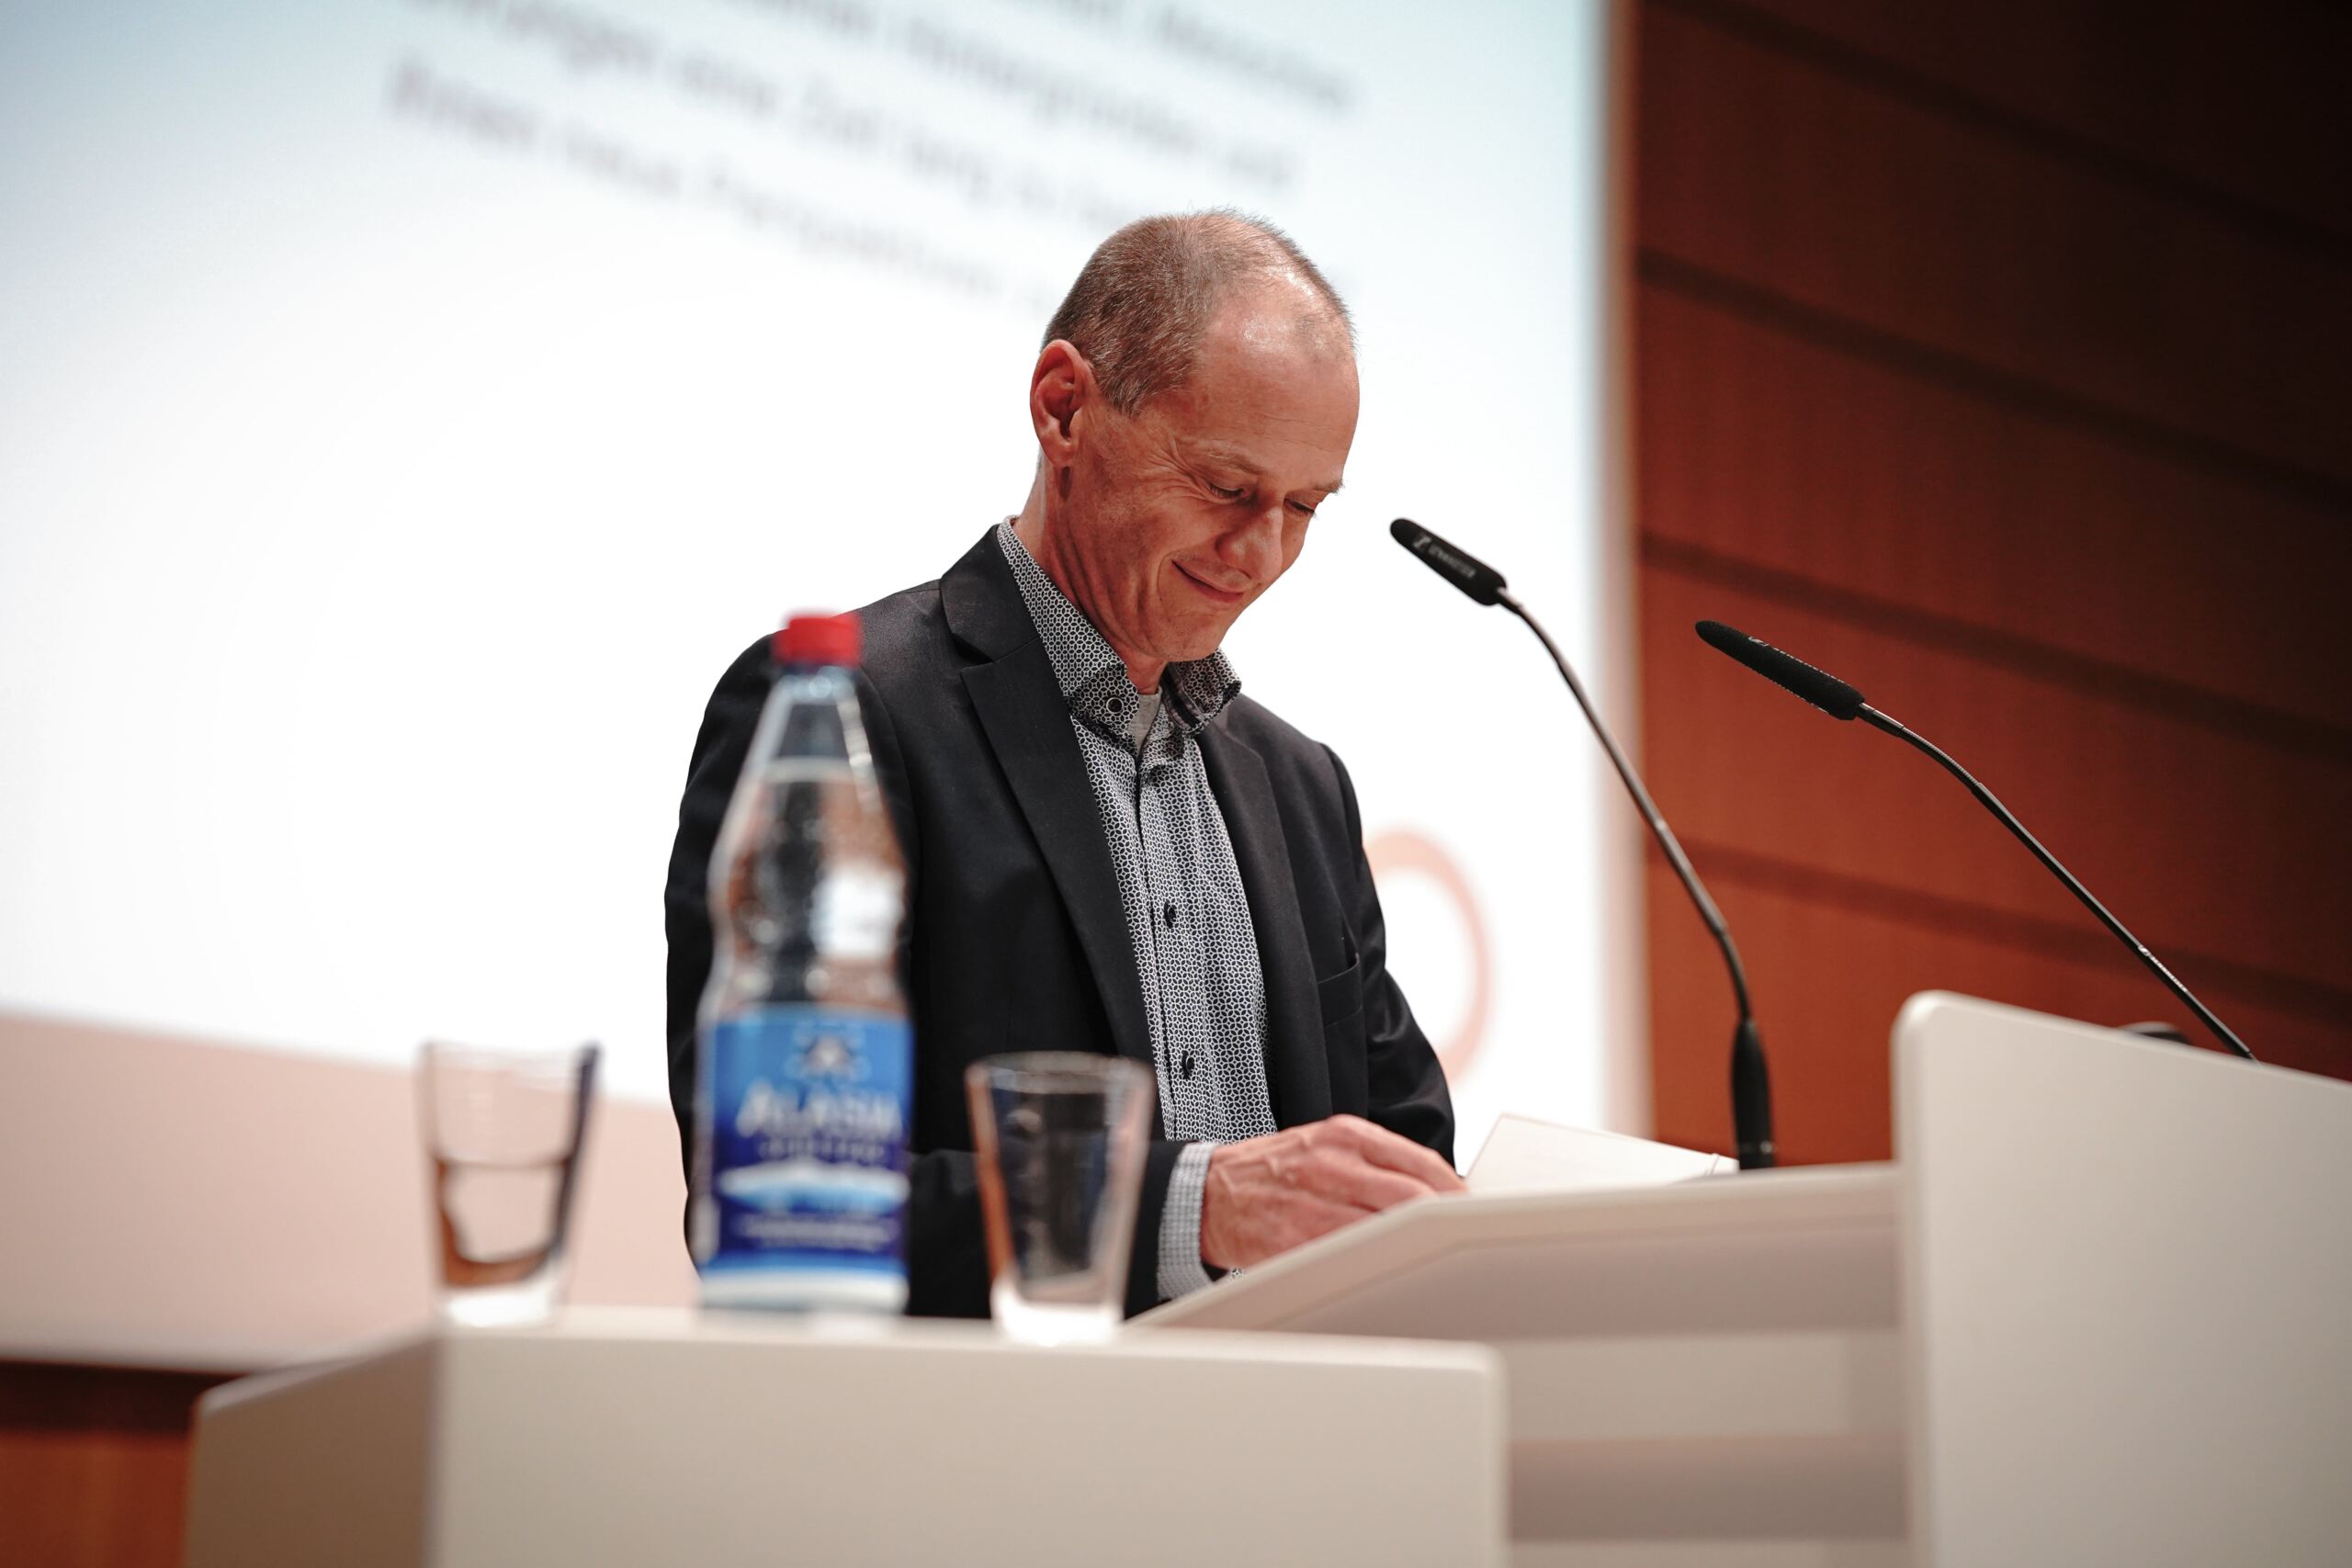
(1429, 547)
(1464, 570)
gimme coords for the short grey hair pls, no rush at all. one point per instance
(1146, 296)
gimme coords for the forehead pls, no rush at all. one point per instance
(1267, 382)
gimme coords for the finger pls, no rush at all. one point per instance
(1382, 1147)
(1272, 1222)
(1280, 1225)
(1347, 1176)
(1302, 1218)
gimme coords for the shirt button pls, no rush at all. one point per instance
(1169, 912)
(1188, 1064)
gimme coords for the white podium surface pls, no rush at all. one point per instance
(2128, 1276)
(1705, 1373)
(2095, 1313)
(631, 1438)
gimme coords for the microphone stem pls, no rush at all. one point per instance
(1894, 727)
(1751, 1098)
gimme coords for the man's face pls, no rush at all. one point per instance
(1174, 522)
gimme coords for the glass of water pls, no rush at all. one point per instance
(1061, 1140)
(502, 1132)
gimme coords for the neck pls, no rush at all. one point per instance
(1042, 528)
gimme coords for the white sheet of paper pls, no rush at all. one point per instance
(1523, 1154)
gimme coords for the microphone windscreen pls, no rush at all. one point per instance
(1819, 687)
(1459, 568)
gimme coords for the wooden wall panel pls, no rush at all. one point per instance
(94, 1465)
(1872, 488)
(2189, 835)
(1969, 368)
(2239, 103)
(1830, 973)
(1776, 175)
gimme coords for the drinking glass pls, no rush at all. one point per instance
(1061, 1138)
(503, 1131)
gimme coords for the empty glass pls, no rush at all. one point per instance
(503, 1131)
(1061, 1140)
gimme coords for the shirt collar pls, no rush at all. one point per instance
(1092, 678)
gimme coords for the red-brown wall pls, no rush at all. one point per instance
(1998, 358)
(94, 1465)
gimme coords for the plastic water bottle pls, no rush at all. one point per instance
(806, 1068)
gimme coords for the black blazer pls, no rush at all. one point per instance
(1015, 939)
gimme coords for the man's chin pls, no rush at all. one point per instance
(1198, 642)
(1193, 631)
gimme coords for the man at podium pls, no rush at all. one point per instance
(1109, 847)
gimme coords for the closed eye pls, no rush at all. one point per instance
(1227, 493)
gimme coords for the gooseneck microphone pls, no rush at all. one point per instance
(1751, 1085)
(1462, 569)
(1819, 687)
(1838, 700)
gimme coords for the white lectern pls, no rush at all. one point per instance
(615, 1439)
(2096, 1314)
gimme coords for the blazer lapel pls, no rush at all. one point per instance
(1297, 1076)
(1027, 724)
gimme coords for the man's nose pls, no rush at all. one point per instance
(1256, 547)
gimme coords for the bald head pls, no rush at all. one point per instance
(1145, 300)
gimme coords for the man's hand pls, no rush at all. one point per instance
(1264, 1196)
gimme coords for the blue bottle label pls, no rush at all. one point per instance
(808, 1140)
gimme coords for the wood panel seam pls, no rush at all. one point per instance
(2102, 680)
(1920, 90)
(2319, 1000)
(2008, 389)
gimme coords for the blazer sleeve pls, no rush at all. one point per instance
(1405, 1085)
(720, 747)
(947, 1260)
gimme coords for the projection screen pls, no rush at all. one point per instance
(408, 408)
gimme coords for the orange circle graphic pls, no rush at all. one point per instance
(1400, 851)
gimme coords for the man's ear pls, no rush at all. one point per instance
(1061, 389)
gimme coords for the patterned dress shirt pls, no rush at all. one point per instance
(1188, 917)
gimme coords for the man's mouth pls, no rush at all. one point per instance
(1210, 591)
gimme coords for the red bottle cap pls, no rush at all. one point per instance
(819, 639)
